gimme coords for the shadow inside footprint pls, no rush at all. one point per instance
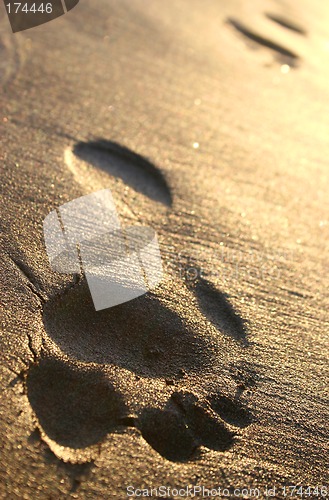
(167, 433)
(135, 170)
(143, 335)
(204, 423)
(75, 407)
(177, 431)
(219, 311)
(230, 410)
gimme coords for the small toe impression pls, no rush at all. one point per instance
(216, 307)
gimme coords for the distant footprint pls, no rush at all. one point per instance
(284, 54)
(286, 23)
(135, 170)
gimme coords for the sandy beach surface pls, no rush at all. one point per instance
(208, 121)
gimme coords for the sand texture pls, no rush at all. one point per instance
(208, 121)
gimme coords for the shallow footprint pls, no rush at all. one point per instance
(284, 55)
(286, 23)
(135, 170)
(76, 407)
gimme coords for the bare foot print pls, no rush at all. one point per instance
(283, 54)
(75, 400)
(78, 407)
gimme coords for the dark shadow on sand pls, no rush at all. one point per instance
(76, 407)
(143, 335)
(135, 170)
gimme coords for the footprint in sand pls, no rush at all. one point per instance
(77, 404)
(282, 53)
(287, 23)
